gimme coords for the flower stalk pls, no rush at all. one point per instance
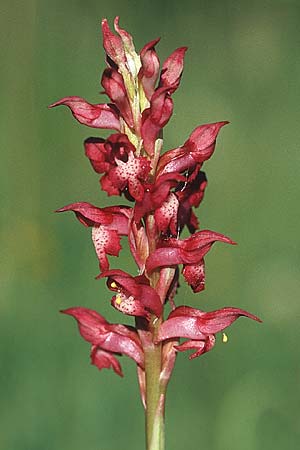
(163, 189)
(154, 396)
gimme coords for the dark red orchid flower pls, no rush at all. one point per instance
(199, 327)
(130, 175)
(171, 198)
(108, 225)
(102, 153)
(135, 296)
(189, 252)
(123, 171)
(108, 340)
(198, 148)
(155, 195)
(176, 210)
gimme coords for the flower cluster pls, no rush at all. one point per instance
(163, 188)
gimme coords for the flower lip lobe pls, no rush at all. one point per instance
(105, 360)
(129, 305)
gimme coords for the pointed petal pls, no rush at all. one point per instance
(181, 326)
(201, 142)
(95, 116)
(88, 214)
(215, 321)
(125, 36)
(201, 239)
(113, 83)
(198, 148)
(172, 68)
(113, 44)
(186, 251)
(90, 323)
(149, 72)
(155, 118)
(195, 324)
(133, 60)
(113, 217)
(115, 338)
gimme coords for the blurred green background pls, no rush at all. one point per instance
(243, 66)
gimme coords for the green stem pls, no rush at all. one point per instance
(154, 399)
(155, 389)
